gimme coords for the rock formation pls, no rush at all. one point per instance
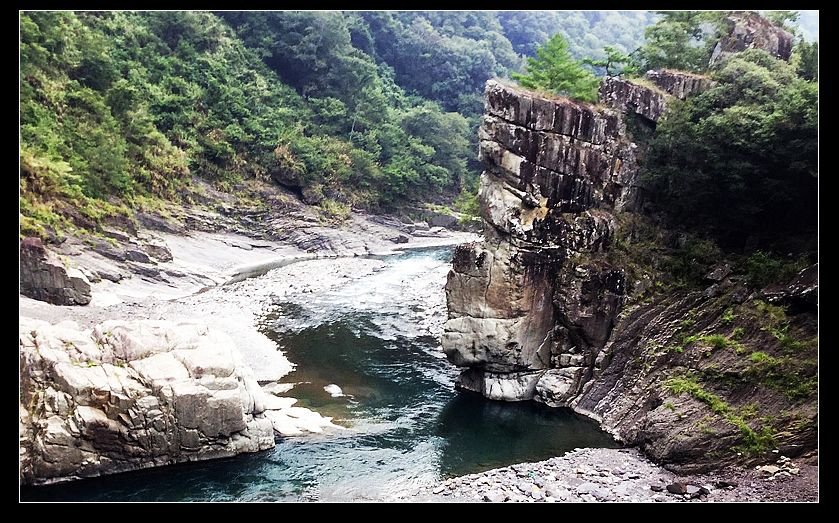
(679, 83)
(541, 309)
(556, 171)
(630, 96)
(749, 30)
(131, 395)
(43, 276)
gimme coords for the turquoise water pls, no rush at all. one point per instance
(375, 337)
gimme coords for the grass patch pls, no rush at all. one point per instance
(762, 268)
(727, 316)
(794, 377)
(755, 442)
(334, 210)
(715, 341)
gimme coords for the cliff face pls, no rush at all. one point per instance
(541, 310)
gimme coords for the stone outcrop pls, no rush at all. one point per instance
(679, 83)
(648, 97)
(653, 343)
(556, 170)
(749, 30)
(629, 96)
(131, 395)
(43, 276)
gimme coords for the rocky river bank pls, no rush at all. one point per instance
(624, 475)
(120, 383)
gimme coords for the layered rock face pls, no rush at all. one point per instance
(627, 96)
(649, 99)
(526, 312)
(131, 395)
(679, 83)
(43, 276)
(765, 400)
(749, 30)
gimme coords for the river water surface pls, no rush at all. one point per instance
(377, 338)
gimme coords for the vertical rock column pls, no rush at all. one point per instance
(530, 306)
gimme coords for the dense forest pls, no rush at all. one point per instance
(377, 110)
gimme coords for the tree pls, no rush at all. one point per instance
(613, 62)
(784, 19)
(554, 70)
(805, 59)
(681, 40)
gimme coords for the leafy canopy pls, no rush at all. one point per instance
(740, 160)
(681, 40)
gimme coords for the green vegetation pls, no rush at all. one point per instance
(680, 40)
(554, 70)
(587, 32)
(688, 384)
(755, 442)
(785, 19)
(805, 59)
(762, 268)
(727, 316)
(715, 341)
(739, 161)
(615, 62)
(794, 376)
(118, 108)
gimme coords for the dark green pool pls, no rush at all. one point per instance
(406, 424)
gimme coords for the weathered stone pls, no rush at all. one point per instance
(626, 95)
(719, 272)
(44, 277)
(538, 309)
(801, 291)
(130, 395)
(769, 469)
(158, 250)
(553, 166)
(677, 488)
(400, 238)
(679, 83)
(749, 30)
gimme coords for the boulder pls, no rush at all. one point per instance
(749, 30)
(45, 277)
(627, 95)
(679, 83)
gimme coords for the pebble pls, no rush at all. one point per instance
(593, 475)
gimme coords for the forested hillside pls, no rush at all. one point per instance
(367, 109)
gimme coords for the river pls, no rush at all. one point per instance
(377, 338)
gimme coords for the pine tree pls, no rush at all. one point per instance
(553, 69)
